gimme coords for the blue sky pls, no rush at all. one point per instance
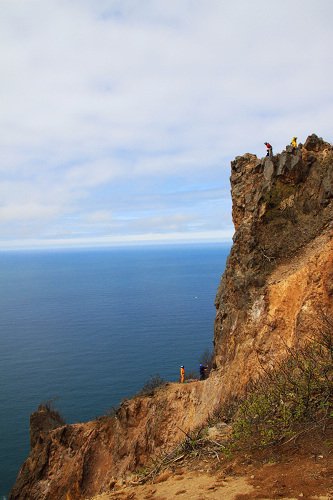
(119, 118)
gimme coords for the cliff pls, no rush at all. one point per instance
(278, 280)
(279, 275)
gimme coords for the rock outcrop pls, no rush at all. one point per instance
(79, 460)
(278, 281)
(42, 421)
(279, 274)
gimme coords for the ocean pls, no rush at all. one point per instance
(87, 328)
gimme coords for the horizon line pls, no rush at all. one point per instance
(213, 237)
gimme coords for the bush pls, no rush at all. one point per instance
(207, 358)
(49, 407)
(299, 391)
(151, 385)
(192, 375)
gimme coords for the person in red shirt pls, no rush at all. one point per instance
(269, 149)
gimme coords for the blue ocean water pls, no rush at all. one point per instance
(88, 328)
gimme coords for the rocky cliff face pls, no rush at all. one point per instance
(279, 276)
(77, 461)
(278, 280)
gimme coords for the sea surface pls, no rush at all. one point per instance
(88, 328)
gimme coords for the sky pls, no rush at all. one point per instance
(119, 118)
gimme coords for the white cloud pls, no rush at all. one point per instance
(109, 95)
(99, 217)
(26, 211)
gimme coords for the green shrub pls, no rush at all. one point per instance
(297, 392)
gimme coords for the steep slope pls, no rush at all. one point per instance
(279, 274)
(278, 279)
(79, 460)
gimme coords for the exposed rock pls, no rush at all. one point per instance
(42, 421)
(314, 143)
(277, 279)
(77, 461)
(282, 211)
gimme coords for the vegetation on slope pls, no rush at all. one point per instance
(291, 399)
(294, 396)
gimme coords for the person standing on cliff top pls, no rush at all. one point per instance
(269, 149)
(294, 142)
(182, 374)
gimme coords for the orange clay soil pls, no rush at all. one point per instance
(302, 468)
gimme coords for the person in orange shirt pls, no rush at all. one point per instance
(182, 374)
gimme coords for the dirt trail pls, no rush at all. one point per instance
(302, 471)
(190, 486)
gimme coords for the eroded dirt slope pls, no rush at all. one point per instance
(302, 468)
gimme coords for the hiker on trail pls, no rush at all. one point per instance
(182, 374)
(203, 371)
(294, 142)
(269, 149)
